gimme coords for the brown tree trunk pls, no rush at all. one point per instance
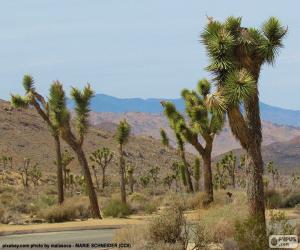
(103, 178)
(96, 179)
(89, 183)
(190, 187)
(208, 183)
(122, 175)
(59, 171)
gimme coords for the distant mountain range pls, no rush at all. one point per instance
(106, 103)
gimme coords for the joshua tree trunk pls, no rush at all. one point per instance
(96, 178)
(131, 183)
(122, 175)
(60, 184)
(89, 183)
(103, 178)
(187, 172)
(71, 140)
(208, 184)
(251, 138)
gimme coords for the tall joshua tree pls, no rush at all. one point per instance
(61, 116)
(205, 120)
(122, 135)
(33, 99)
(181, 151)
(236, 56)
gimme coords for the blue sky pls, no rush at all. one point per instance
(133, 48)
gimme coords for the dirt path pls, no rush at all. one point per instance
(91, 224)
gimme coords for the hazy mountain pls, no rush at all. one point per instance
(106, 103)
(150, 124)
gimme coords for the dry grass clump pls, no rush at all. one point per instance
(217, 222)
(167, 231)
(137, 236)
(71, 209)
(140, 203)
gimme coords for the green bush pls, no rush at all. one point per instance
(116, 209)
(291, 201)
(273, 199)
(250, 234)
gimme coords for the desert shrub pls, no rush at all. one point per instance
(149, 207)
(136, 235)
(116, 209)
(248, 234)
(168, 227)
(230, 244)
(140, 203)
(273, 199)
(47, 201)
(222, 230)
(2, 214)
(7, 199)
(201, 236)
(291, 201)
(68, 211)
(6, 189)
(23, 207)
(297, 230)
(278, 224)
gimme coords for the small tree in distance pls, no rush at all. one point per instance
(122, 135)
(102, 157)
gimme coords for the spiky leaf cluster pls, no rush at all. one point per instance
(82, 101)
(233, 50)
(57, 103)
(123, 132)
(164, 137)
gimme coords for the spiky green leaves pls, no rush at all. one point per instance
(28, 83)
(18, 101)
(82, 102)
(239, 86)
(204, 87)
(123, 132)
(274, 32)
(164, 137)
(57, 105)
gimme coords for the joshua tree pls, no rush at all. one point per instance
(164, 138)
(62, 120)
(182, 169)
(220, 176)
(236, 56)
(102, 157)
(181, 151)
(35, 174)
(205, 121)
(130, 178)
(122, 135)
(197, 174)
(33, 99)
(168, 180)
(273, 172)
(153, 174)
(144, 180)
(66, 159)
(24, 171)
(229, 163)
(175, 173)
